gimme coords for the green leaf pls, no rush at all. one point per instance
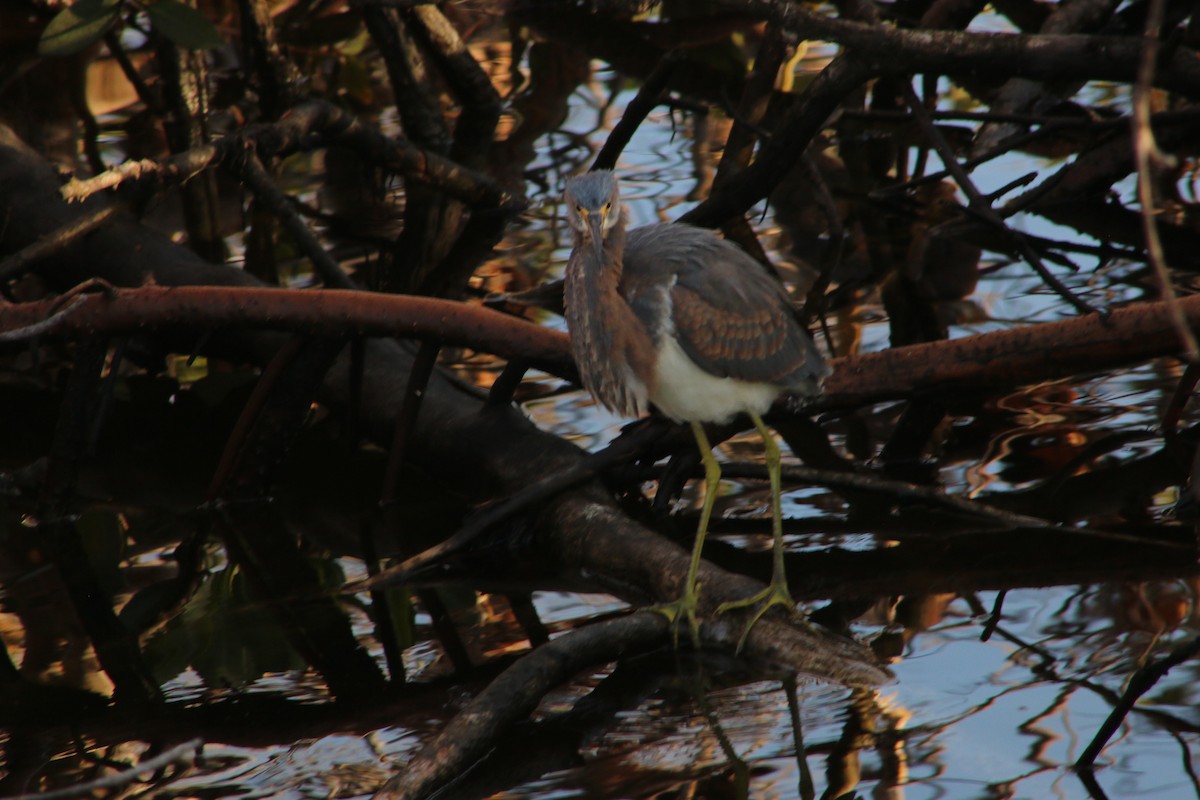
(183, 25)
(224, 635)
(74, 28)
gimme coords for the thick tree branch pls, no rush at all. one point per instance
(1000, 359)
(321, 312)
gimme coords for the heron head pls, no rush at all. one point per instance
(593, 205)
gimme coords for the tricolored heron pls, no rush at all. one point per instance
(673, 315)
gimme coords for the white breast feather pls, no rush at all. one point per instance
(684, 391)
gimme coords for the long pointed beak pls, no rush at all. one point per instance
(595, 223)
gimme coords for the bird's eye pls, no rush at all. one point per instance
(607, 208)
(581, 211)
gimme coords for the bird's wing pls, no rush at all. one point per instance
(734, 320)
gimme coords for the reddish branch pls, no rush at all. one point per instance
(1013, 357)
(328, 312)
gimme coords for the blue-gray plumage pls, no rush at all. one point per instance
(675, 316)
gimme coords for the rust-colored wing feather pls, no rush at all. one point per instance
(729, 315)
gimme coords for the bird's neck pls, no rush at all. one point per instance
(604, 266)
(597, 276)
(614, 244)
(605, 334)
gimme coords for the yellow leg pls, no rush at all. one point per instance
(776, 593)
(686, 605)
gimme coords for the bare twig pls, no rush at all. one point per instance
(1150, 159)
(151, 99)
(185, 752)
(294, 132)
(178, 169)
(42, 326)
(19, 263)
(252, 171)
(643, 103)
(916, 493)
(1184, 389)
(410, 407)
(235, 445)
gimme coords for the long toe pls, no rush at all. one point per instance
(679, 610)
(776, 594)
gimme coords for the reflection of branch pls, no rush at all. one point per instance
(1149, 158)
(898, 490)
(1022, 94)
(515, 694)
(1140, 682)
(477, 97)
(980, 204)
(819, 100)
(519, 690)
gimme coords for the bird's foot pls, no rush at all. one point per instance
(683, 608)
(776, 594)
